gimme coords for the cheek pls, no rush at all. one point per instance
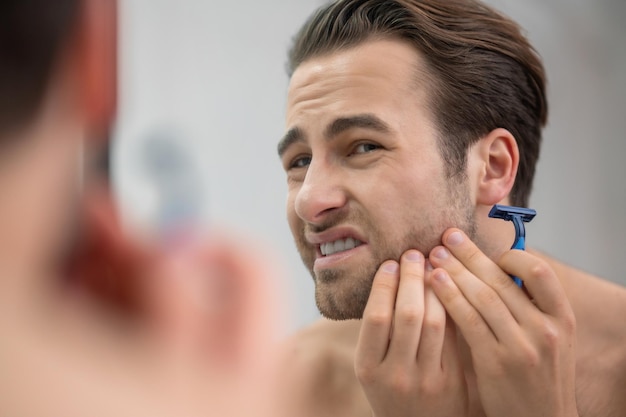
(403, 192)
(420, 187)
(408, 199)
(292, 217)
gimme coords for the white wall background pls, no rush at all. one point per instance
(213, 72)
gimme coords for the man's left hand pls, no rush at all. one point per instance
(522, 348)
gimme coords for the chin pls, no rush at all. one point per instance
(339, 297)
(337, 314)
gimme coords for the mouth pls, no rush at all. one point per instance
(339, 245)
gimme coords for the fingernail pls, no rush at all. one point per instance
(391, 267)
(441, 253)
(455, 238)
(440, 276)
(413, 256)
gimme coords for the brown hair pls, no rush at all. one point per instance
(484, 72)
(31, 35)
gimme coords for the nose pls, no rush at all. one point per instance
(320, 194)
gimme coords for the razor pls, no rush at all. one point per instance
(519, 216)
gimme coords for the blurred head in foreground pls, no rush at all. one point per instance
(57, 77)
(191, 327)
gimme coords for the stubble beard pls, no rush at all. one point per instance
(343, 294)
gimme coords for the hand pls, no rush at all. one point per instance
(522, 348)
(193, 327)
(215, 299)
(406, 357)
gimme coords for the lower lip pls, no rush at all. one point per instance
(336, 259)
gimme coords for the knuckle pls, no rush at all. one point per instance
(530, 358)
(401, 382)
(555, 334)
(365, 374)
(434, 325)
(473, 255)
(473, 318)
(377, 318)
(541, 271)
(504, 283)
(431, 387)
(550, 335)
(384, 285)
(487, 296)
(411, 315)
(526, 356)
(496, 367)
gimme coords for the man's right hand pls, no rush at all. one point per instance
(407, 360)
(213, 298)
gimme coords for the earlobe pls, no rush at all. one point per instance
(497, 156)
(98, 34)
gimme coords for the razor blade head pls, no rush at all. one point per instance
(509, 212)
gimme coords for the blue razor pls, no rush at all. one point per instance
(519, 216)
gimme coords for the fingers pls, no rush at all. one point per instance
(377, 317)
(471, 324)
(430, 352)
(473, 260)
(406, 359)
(486, 286)
(450, 359)
(509, 337)
(487, 301)
(404, 321)
(409, 309)
(540, 280)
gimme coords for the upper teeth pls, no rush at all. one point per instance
(339, 246)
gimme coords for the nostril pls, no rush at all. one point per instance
(314, 208)
(319, 194)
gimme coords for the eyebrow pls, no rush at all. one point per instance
(338, 126)
(292, 136)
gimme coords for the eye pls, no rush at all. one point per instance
(366, 148)
(300, 162)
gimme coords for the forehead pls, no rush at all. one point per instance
(380, 76)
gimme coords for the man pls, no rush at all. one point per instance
(407, 120)
(93, 322)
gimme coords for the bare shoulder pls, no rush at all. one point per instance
(317, 371)
(600, 309)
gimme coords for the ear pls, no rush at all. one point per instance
(493, 163)
(98, 51)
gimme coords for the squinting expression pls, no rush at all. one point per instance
(365, 178)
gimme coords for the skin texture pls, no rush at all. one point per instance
(414, 369)
(523, 351)
(440, 335)
(347, 139)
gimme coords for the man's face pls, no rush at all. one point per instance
(365, 178)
